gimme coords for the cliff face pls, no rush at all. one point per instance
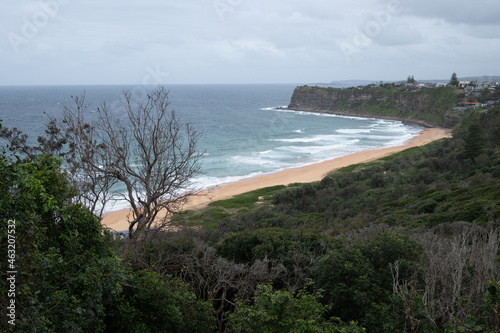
(428, 107)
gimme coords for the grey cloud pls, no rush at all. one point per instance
(480, 12)
(399, 36)
(254, 40)
(482, 32)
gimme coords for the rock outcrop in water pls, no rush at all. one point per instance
(428, 107)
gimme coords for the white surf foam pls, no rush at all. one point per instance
(353, 130)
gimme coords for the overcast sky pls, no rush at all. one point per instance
(245, 41)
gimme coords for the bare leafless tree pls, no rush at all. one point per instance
(407, 292)
(459, 268)
(460, 258)
(150, 153)
(221, 282)
(211, 277)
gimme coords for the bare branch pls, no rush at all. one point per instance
(150, 153)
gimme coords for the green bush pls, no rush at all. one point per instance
(281, 311)
(285, 245)
(67, 270)
(151, 303)
(357, 280)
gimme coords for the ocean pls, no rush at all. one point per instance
(245, 130)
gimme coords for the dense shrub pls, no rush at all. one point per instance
(288, 246)
(67, 270)
(281, 311)
(151, 303)
(358, 284)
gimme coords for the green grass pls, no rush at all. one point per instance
(218, 211)
(249, 199)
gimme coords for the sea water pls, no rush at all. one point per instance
(246, 130)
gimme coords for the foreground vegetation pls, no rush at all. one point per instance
(408, 243)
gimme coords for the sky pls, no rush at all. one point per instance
(70, 42)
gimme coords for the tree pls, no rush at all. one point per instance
(411, 79)
(474, 141)
(461, 260)
(150, 302)
(67, 277)
(214, 279)
(66, 270)
(485, 95)
(281, 311)
(149, 152)
(52, 143)
(357, 280)
(454, 80)
(297, 250)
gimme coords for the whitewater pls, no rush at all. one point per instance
(246, 129)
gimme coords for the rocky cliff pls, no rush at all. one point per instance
(428, 107)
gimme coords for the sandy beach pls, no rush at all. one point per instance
(118, 220)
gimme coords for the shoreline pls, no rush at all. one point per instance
(117, 220)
